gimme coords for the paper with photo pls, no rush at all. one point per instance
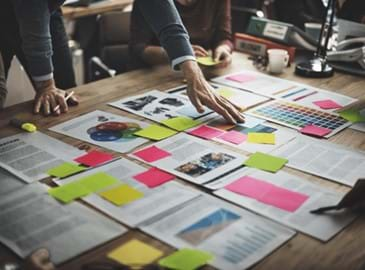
(156, 105)
(282, 135)
(322, 227)
(154, 202)
(104, 129)
(196, 160)
(325, 159)
(30, 219)
(30, 155)
(212, 225)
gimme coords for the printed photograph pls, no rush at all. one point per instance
(139, 103)
(208, 226)
(205, 164)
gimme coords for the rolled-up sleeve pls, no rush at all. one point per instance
(166, 23)
(33, 17)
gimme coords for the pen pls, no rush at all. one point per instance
(66, 98)
(307, 95)
(325, 209)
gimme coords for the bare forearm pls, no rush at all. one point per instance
(155, 55)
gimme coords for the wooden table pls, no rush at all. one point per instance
(94, 9)
(345, 251)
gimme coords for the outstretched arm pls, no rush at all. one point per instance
(165, 21)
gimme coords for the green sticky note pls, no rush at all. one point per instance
(155, 132)
(207, 61)
(65, 169)
(180, 123)
(97, 181)
(227, 93)
(186, 259)
(121, 195)
(265, 162)
(69, 192)
(352, 115)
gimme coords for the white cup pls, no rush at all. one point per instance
(278, 60)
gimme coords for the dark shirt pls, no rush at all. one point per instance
(3, 90)
(208, 23)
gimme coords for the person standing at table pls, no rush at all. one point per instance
(208, 23)
(33, 30)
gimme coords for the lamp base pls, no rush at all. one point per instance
(314, 68)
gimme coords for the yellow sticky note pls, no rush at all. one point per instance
(121, 195)
(207, 61)
(227, 93)
(69, 192)
(181, 123)
(135, 253)
(97, 181)
(263, 138)
(155, 132)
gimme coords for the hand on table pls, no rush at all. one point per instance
(223, 55)
(39, 260)
(199, 51)
(49, 97)
(201, 93)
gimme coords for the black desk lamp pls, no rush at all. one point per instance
(318, 67)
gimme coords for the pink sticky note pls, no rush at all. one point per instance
(268, 193)
(153, 177)
(94, 158)
(314, 130)
(250, 187)
(151, 154)
(284, 199)
(233, 137)
(327, 104)
(206, 132)
(241, 78)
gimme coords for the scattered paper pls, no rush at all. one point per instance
(134, 253)
(268, 193)
(241, 78)
(154, 177)
(316, 131)
(152, 154)
(94, 158)
(69, 192)
(97, 181)
(155, 132)
(262, 138)
(65, 169)
(206, 132)
(234, 137)
(265, 162)
(180, 123)
(352, 115)
(121, 195)
(327, 104)
(207, 61)
(186, 259)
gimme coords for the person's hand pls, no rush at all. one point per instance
(199, 51)
(39, 260)
(223, 55)
(48, 97)
(201, 93)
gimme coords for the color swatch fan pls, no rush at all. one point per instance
(297, 116)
